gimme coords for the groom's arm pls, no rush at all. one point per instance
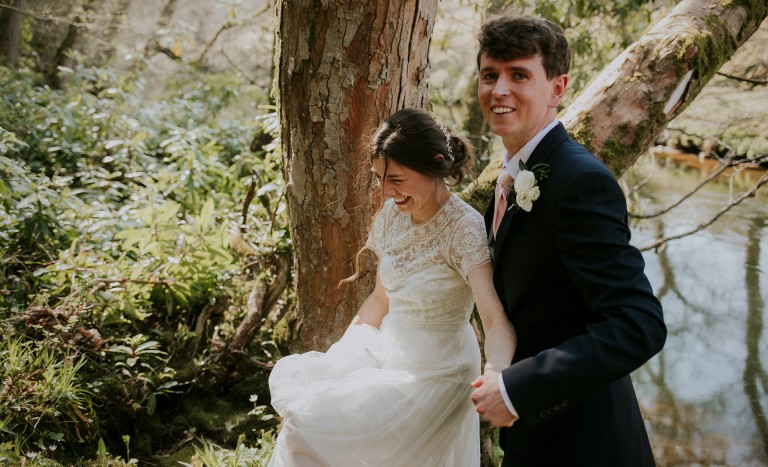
(625, 327)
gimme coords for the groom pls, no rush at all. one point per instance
(571, 283)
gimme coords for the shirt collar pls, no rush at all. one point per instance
(512, 165)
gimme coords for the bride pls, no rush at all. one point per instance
(395, 389)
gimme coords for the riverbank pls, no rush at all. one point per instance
(709, 163)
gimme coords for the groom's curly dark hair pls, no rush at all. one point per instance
(511, 37)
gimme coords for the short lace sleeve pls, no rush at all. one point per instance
(468, 245)
(377, 235)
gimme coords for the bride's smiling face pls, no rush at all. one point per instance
(412, 192)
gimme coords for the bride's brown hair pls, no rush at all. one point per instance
(413, 138)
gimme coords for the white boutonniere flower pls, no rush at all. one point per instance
(526, 187)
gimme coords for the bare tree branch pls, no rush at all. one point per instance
(224, 27)
(241, 71)
(637, 186)
(746, 80)
(201, 322)
(261, 300)
(725, 165)
(747, 194)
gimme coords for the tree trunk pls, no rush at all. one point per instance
(340, 70)
(81, 22)
(10, 31)
(620, 114)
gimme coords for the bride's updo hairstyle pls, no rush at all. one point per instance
(413, 137)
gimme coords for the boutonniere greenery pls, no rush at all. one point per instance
(525, 190)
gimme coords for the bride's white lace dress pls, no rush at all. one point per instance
(397, 396)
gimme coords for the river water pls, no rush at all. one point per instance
(705, 396)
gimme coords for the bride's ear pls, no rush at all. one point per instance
(438, 157)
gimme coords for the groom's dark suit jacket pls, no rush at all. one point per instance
(585, 316)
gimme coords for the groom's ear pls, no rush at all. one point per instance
(559, 84)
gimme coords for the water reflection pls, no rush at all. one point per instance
(705, 396)
(755, 376)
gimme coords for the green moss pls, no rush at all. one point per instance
(582, 132)
(712, 50)
(618, 153)
(282, 332)
(757, 10)
(480, 194)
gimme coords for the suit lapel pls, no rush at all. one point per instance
(540, 155)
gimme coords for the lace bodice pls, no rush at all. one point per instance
(424, 267)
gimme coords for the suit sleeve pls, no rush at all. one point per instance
(625, 324)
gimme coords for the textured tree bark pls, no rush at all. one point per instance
(10, 31)
(341, 67)
(620, 114)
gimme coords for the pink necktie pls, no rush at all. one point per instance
(502, 193)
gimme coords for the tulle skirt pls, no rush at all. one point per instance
(393, 397)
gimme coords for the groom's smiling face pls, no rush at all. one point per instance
(517, 98)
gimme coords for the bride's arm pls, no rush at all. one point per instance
(500, 344)
(500, 336)
(375, 307)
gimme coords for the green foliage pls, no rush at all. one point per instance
(44, 405)
(212, 455)
(143, 371)
(118, 216)
(32, 217)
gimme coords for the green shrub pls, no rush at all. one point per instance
(124, 224)
(212, 455)
(43, 405)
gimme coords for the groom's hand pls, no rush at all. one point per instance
(488, 401)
